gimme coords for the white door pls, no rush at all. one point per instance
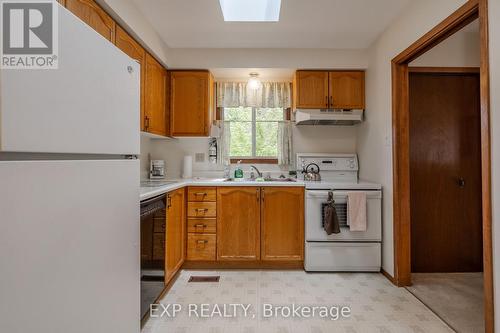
(69, 246)
(91, 104)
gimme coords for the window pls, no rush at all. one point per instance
(254, 132)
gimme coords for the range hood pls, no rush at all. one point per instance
(328, 117)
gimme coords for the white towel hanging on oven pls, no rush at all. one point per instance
(356, 211)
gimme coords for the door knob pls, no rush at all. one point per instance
(461, 182)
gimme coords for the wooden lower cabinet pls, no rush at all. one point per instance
(201, 223)
(245, 227)
(175, 240)
(238, 223)
(282, 223)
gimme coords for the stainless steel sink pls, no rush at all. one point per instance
(262, 180)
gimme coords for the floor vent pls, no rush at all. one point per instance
(204, 279)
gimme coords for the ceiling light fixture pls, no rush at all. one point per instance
(250, 10)
(254, 81)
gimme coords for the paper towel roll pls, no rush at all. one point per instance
(187, 167)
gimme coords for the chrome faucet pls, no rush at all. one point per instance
(258, 172)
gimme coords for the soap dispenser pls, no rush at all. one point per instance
(238, 173)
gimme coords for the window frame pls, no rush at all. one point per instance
(254, 158)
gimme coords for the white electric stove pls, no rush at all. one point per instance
(348, 250)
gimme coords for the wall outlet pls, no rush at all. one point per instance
(199, 157)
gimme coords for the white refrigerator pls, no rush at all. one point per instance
(69, 190)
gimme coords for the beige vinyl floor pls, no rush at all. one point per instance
(455, 297)
(375, 304)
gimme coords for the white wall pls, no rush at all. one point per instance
(459, 50)
(375, 134)
(494, 39)
(306, 139)
(268, 58)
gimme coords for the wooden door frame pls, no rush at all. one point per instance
(470, 11)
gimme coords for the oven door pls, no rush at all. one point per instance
(315, 201)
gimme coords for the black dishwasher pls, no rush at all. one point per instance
(153, 224)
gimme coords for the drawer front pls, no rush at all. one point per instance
(202, 226)
(202, 209)
(201, 247)
(202, 194)
(348, 257)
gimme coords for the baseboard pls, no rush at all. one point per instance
(299, 264)
(388, 276)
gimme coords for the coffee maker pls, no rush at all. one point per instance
(156, 169)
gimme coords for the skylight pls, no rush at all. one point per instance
(250, 10)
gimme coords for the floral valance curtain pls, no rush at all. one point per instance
(269, 95)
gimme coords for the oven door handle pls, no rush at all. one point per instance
(339, 194)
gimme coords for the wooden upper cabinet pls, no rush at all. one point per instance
(238, 223)
(155, 95)
(191, 103)
(92, 14)
(329, 89)
(347, 89)
(175, 239)
(134, 50)
(282, 213)
(311, 89)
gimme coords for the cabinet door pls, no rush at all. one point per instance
(92, 14)
(282, 223)
(238, 223)
(190, 103)
(311, 89)
(134, 50)
(347, 90)
(176, 233)
(155, 91)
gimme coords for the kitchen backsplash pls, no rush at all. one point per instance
(312, 139)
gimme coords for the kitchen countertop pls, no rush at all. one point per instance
(149, 192)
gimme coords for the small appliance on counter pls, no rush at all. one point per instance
(157, 169)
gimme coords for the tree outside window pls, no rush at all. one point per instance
(254, 131)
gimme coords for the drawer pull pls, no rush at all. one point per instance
(202, 241)
(201, 193)
(200, 225)
(202, 209)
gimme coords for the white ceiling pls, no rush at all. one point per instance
(337, 24)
